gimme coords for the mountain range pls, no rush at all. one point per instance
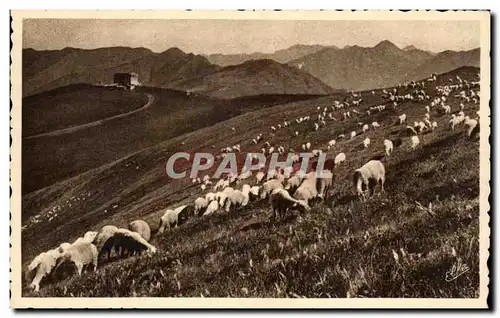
(384, 65)
(282, 56)
(300, 69)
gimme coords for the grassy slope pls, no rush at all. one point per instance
(75, 105)
(50, 159)
(339, 252)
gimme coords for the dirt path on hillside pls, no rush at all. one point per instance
(151, 100)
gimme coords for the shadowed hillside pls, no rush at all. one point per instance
(387, 247)
(255, 78)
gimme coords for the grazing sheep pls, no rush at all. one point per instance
(339, 158)
(128, 242)
(236, 198)
(260, 176)
(105, 233)
(388, 146)
(421, 127)
(375, 124)
(366, 142)
(269, 186)
(414, 142)
(331, 143)
(365, 128)
(307, 190)
(281, 202)
(200, 204)
(368, 176)
(218, 184)
(175, 217)
(402, 119)
(212, 208)
(308, 145)
(80, 254)
(293, 183)
(42, 266)
(434, 125)
(210, 196)
(472, 126)
(141, 227)
(353, 134)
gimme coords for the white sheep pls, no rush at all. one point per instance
(200, 204)
(210, 196)
(260, 176)
(414, 142)
(402, 119)
(293, 183)
(129, 242)
(434, 125)
(42, 266)
(221, 196)
(212, 208)
(339, 158)
(388, 146)
(141, 227)
(365, 128)
(105, 233)
(218, 184)
(331, 143)
(353, 134)
(375, 124)
(236, 198)
(472, 124)
(80, 254)
(173, 217)
(281, 201)
(421, 126)
(366, 142)
(308, 145)
(307, 190)
(456, 120)
(269, 186)
(368, 176)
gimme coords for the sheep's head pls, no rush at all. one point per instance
(90, 236)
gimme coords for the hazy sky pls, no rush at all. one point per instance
(237, 36)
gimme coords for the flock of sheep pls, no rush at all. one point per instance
(285, 189)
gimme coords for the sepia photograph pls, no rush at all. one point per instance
(250, 159)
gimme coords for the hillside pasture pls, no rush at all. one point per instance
(401, 243)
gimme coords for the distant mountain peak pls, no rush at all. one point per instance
(410, 48)
(386, 45)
